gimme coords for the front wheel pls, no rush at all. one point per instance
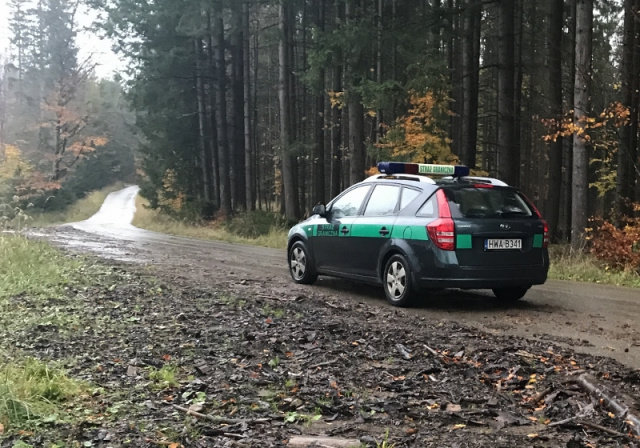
(511, 294)
(300, 265)
(397, 281)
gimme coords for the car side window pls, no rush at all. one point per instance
(383, 201)
(350, 203)
(408, 195)
(429, 208)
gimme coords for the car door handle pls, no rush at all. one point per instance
(344, 230)
(384, 231)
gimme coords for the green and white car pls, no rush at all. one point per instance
(411, 234)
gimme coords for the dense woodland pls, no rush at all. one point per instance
(280, 104)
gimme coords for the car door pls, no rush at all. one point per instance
(373, 229)
(332, 240)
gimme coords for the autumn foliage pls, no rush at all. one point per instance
(419, 135)
(619, 248)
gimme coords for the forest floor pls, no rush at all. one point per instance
(170, 360)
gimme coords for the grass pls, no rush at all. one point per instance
(34, 281)
(587, 268)
(79, 211)
(267, 234)
(164, 377)
(32, 392)
(33, 267)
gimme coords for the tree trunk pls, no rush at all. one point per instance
(248, 108)
(507, 159)
(224, 164)
(205, 150)
(357, 148)
(625, 162)
(319, 122)
(470, 82)
(554, 49)
(238, 160)
(291, 207)
(580, 186)
(213, 142)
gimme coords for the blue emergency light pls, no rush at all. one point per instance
(423, 168)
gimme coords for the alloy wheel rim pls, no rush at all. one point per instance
(298, 263)
(396, 280)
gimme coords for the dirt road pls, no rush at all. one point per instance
(595, 319)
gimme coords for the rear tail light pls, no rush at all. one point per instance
(545, 225)
(442, 231)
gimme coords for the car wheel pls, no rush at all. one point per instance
(511, 294)
(397, 281)
(300, 265)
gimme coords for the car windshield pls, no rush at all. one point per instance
(493, 202)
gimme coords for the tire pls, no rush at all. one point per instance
(511, 294)
(301, 265)
(396, 281)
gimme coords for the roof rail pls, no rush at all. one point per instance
(478, 179)
(413, 177)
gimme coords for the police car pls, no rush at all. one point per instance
(411, 234)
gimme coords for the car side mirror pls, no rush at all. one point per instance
(319, 209)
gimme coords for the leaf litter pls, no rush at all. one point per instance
(173, 362)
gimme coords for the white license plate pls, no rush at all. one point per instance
(502, 243)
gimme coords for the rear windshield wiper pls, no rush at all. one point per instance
(507, 213)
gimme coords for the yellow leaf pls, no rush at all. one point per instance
(532, 436)
(459, 426)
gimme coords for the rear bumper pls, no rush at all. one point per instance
(483, 278)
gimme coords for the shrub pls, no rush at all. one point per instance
(618, 247)
(254, 224)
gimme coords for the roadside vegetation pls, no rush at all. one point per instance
(258, 228)
(586, 267)
(33, 277)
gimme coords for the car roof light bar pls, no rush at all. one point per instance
(423, 168)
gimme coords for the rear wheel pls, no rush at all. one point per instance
(511, 294)
(300, 265)
(397, 281)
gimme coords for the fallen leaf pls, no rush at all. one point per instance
(532, 436)
(410, 431)
(1, 428)
(166, 357)
(459, 426)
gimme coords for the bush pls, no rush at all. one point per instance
(254, 224)
(619, 248)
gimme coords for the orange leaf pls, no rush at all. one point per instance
(166, 357)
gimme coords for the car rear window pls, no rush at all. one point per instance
(493, 202)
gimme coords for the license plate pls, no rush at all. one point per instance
(502, 243)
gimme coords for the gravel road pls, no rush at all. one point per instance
(590, 318)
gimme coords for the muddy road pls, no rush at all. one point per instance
(590, 318)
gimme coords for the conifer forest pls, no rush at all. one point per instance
(277, 105)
